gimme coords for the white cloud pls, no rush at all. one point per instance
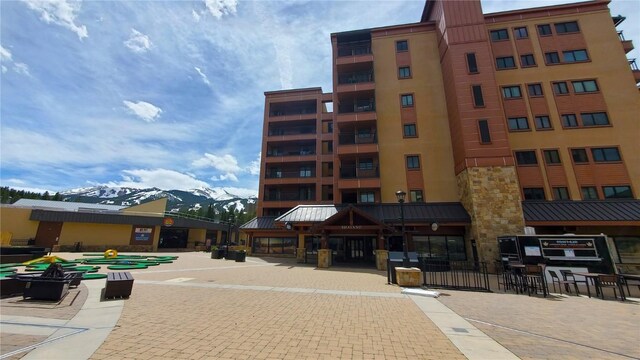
(195, 15)
(4, 69)
(21, 68)
(225, 177)
(138, 42)
(60, 12)
(146, 111)
(160, 178)
(204, 77)
(227, 164)
(254, 166)
(218, 8)
(5, 55)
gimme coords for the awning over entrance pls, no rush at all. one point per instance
(597, 212)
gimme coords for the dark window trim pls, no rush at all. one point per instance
(404, 77)
(542, 128)
(544, 156)
(473, 96)
(484, 131)
(535, 95)
(523, 65)
(538, 26)
(535, 156)
(402, 50)
(413, 102)
(406, 162)
(475, 60)
(415, 128)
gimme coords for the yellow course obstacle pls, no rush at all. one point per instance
(47, 259)
(111, 254)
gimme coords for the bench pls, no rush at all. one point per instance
(119, 285)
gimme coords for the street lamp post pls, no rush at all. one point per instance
(400, 195)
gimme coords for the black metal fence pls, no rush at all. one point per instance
(445, 274)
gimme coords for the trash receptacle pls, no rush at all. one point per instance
(241, 256)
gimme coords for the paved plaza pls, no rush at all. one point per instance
(201, 308)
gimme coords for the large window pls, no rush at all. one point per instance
(594, 119)
(579, 156)
(569, 120)
(535, 89)
(527, 60)
(274, 245)
(407, 100)
(552, 58)
(478, 100)
(605, 154)
(497, 35)
(560, 88)
(526, 157)
(367, 197)
(544, 30)
(518, 123)
(575, 55)
(617, 192)
(584, 86)
(542, 122)
(365, 164)
(410, 130)
(510, 92)
(521, 32)
(567, 27)
(552, 156)
(560, 193)
(413, 162)
(533, 193)
(589, 193)
(506, 62)
(441, 247)
(628, 248)
(416, 196)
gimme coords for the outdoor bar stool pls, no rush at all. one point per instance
(504, 276)
(555, 279)
(534, 277)
(610, 281)
(567, 275)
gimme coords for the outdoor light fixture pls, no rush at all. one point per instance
(400, 195)
(434, 226)
(288, 225)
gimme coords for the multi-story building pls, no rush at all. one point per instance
(488, 122)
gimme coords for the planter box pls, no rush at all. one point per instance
(241, 256)
(231, 255)
(408, 276)
(41, 289)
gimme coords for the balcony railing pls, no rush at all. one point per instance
(352, 138)
(285, 152)
(357, 106)
(290, 196)
(621, 35)
(355, 77)
(292, 131)
(634, 66)
(291, 174)
(295, 111)
(355, 172)
(354, 49)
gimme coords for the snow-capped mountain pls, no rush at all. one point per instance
(178, 200)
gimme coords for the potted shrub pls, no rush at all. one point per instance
(216, 253)
(241, 255)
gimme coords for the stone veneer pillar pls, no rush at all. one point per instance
(300, 255)
(381, 259)
(491, 196)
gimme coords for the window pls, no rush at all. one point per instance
(567, 27)
(305, 171)
(544, 30)
(263, 245)
(552, 58)
(527, 60)
(617, 192)
(365, 164)
(472, 65)
(551, 156)
(579, 156)
(526, 157)
(605, 154)
(478, 100)
(628, 248)
(518, 123)
(584, 86)
(404, 72)
(485, 136)
(497, 35)
(533, 193)
(560, 88)
(416, 195)
(560, 193)
(367, 197)
(410, 130)
(510, 92)
(569, 120)
(407, 100)
(575, 56)
(589, 193)
(594, 119)
(413, 162)
(521, 33)
(402, 45)
(542, 122)
(506, 62)
(535, 89)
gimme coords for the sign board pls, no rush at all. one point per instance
(571, 248)
(142, 233)
(167, 221)
(532, 251)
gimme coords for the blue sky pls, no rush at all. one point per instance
(168, 93)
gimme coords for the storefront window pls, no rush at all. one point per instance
(456, 248)
(628, 248)
(274, 245)
(449, 247)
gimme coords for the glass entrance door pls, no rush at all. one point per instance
(359, 248)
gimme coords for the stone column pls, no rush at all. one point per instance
(301, 255)
(381, 259)
(324, 258)
(491, 196)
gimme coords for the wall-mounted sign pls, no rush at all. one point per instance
(167, 221)
(142, 233)
(570, 248)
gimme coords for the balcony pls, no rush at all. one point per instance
(358, 172)
(292, 131)
(357, 106)
(302, 195)
(354, 52)
(635, 70)
(627, 45)
(357, 138)
(291, 174)
(294, 109)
